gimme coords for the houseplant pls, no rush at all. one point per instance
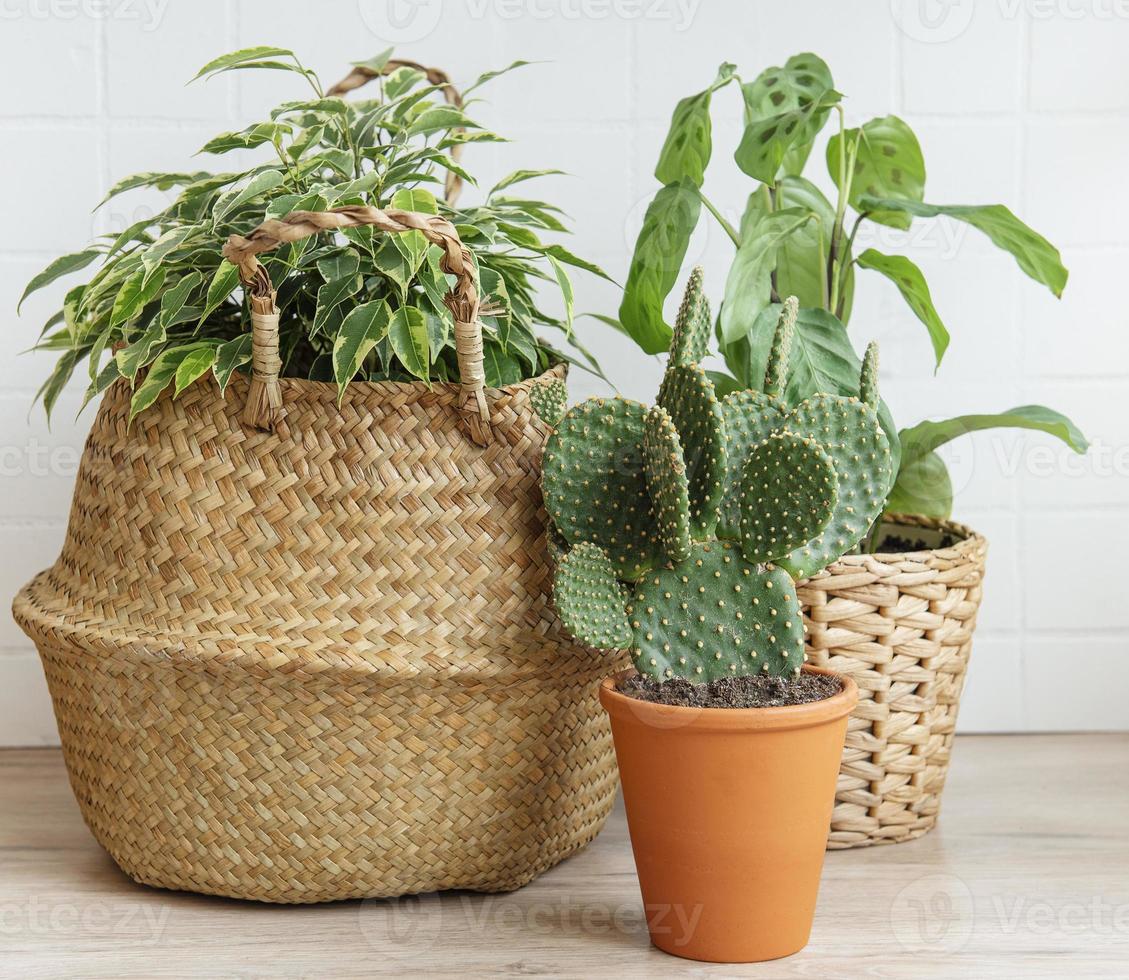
(164, 309)
(299, 636)
(900, 613)
(681, 528)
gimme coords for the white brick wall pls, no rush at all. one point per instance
(1025, 102)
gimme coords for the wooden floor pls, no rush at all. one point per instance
(1026, 876)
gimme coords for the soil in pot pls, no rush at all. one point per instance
(755, 691)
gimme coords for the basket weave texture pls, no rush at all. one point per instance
(320, 662)
(901, 625)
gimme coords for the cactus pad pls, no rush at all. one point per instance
(749, 417)
(549, 402)
(691, 336)
(594, 485)
(787, 495)
(850, 433)
(666, 482)
(589, 600)
(716, 615)
(688, 396)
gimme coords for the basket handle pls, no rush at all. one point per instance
(360, 75)
(264, 399)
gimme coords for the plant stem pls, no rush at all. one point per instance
(846, 173)
(729, 229)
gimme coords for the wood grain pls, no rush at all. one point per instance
(1026, 875)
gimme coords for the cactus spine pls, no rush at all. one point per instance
(688, 522)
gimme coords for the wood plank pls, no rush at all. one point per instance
(1027, 875)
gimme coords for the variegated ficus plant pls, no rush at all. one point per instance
(679, 529)
(165, 309)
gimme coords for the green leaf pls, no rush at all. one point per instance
(689, 143)
(922, 487)
(925, 437)
(171, 240)
(407, 332)
(248, 138)
(766, 143)
(133, 357)
(801, 261)
(439, 119)
(377, 63)
(62, 266)
(136, 291)
(241, 59)
(659, 250)
(157, 379)
(412, 244)
(173, 301)
(913, 287)
(330, 296)
(501, 368)
(229, 357)
(51, 388)
(564, 255)
(518, 176)
(888, 163)
(161, 181)
(360, 332)
(822, 360)
(566, 292)
(223, 284)
(1034, 254)
(106, 377)
(785, 108)
(490, 75)
(748, 288)
(257, 186)
(194, 366)
(340, 265)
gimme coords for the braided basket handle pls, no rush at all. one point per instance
(360, 75)
(264, 399)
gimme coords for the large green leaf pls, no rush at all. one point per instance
(686, 151)
(914, 289)
(360, 332)
(407, 332)
(888, 163)
(159, 376)
(923, 485)
(748, 288)
(785, 108)
(62, 266)
(659, 251)
(822, 361)
(1033, 253)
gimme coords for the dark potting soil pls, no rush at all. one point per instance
(754, 691)
(895, 544)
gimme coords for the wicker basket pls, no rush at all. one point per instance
(319, 661)
(901, 625)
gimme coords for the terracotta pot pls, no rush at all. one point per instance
(728, 812)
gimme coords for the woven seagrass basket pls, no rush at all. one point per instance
(300, 652)
(901, 626)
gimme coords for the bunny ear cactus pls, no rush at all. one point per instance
(638, 495)
(549, 402)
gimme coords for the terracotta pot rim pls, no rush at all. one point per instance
(781, 718)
